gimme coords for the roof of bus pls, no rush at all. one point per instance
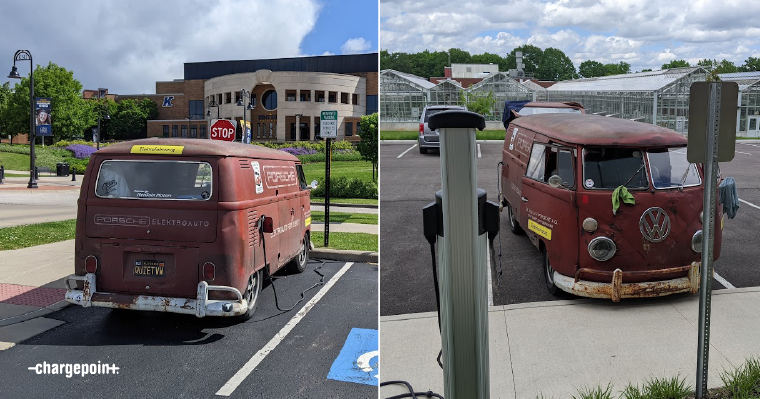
(199, 147)
(600, 130)
(540, 104)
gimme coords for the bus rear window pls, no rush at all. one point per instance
(154, 180)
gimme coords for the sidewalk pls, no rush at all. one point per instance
(553, 348)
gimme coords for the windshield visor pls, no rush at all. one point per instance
(609, 168)
(547, 110)
(670, 169)
(154, 180)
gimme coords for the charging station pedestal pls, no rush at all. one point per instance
(462, 255)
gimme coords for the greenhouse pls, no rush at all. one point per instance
(748, 115)
(657, 97)
(403, 96)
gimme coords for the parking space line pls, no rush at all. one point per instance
(749, 203)
(745, 153)
(478, 150)
(410, 148)
(490, 279)
(754, 145)
(723, 281)
(228, 388)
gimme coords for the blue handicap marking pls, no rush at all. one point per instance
(359, 358)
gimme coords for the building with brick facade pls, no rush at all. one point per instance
(287, 96)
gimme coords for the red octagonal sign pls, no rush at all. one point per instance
(223, 129)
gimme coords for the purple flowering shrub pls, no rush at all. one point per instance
(81, 151)
(298, 151)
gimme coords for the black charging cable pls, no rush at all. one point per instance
(411, 393)
(271, 280)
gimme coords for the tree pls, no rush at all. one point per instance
(620, 68)
(478, 103)
(726, 66)
(676, 64)
(531, 58)
(592, 69)
(368, 144)
(555, 65)
(751, 64)
(5, 95)
(70, 116)
(647, 70)
(129, 120)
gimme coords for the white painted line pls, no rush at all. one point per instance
(490, 281)
(228, 388)
(723, 281)
(411, 148)
(750, 204)
(754, 145)
(745, 153)
(478, 150)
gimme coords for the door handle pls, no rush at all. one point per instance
(524, 199)
(292, 211)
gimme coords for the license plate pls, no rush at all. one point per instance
(149, 268)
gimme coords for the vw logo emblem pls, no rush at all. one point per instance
(654, 224)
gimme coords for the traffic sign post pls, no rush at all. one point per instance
(712, 138)
(328, 129)
(222, 129)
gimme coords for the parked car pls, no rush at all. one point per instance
(559, 175)
(187, 226)
(428, 139)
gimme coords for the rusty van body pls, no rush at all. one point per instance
(187, 226)
(557, 179)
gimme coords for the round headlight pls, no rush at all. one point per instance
(701, 215)
(696, 242)
(601, 248)
(590, 225)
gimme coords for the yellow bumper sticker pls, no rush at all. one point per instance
(307, 221)
(722, 218)
(157, 149)
(543, 231)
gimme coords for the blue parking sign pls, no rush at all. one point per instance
(358, 360)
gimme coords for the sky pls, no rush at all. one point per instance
(126, 46)
(643, 33)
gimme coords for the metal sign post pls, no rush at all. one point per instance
(712, 108)
(328, 129)
(462, 254)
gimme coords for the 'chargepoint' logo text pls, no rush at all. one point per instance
(70, 370)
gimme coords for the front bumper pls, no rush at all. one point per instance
(616, 290)
(201, 306)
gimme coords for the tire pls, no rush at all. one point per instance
(298, 264)
(549, 276)
(423, 150)
(514, 225)
(252, 294)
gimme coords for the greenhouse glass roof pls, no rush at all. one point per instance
(642, 81)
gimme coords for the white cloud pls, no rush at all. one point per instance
(355, 45)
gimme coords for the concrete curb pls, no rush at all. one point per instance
(345, 255)
(348, 205)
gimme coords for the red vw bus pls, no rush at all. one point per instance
(558, 177)
(187, 226)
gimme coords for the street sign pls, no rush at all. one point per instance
(222, 129)
(724, 102)
(328, 124)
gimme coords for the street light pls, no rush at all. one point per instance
(23, 55)
(213, 104)
(241, 103)
(101, 93)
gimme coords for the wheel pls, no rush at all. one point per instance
(514, 226)
(423, 150)
(251, 294)
(298, 264)
(549, 275)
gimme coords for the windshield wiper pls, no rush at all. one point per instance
(683, 179)
(635, 173)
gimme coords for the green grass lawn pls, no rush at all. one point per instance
(13, 161)
(36, 234)
(359, 201)
(340, 217)
(359, 169)
(411, 135)
(346, 241)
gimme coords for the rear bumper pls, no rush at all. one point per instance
(428, 144)
(616, 290)
(201, 306)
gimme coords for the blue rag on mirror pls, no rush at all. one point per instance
(729, 198)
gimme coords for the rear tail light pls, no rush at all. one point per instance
(209, 271)
(91, 264)
(422, 129)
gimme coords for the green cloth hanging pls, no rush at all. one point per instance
(621, 194)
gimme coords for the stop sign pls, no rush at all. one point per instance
(223, 129)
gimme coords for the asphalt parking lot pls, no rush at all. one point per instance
(409, 181)
(311, 351)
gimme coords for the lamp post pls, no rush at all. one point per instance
(23, 55)
(213, 104)
(241, 103)
(101, 93)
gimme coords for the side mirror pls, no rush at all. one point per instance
(314, 184)
(555, 181)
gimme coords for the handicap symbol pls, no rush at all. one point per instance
(363, 362)
(358, 359)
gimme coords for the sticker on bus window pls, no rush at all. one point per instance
(257, 177)
(589, 183)
(512, 141)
